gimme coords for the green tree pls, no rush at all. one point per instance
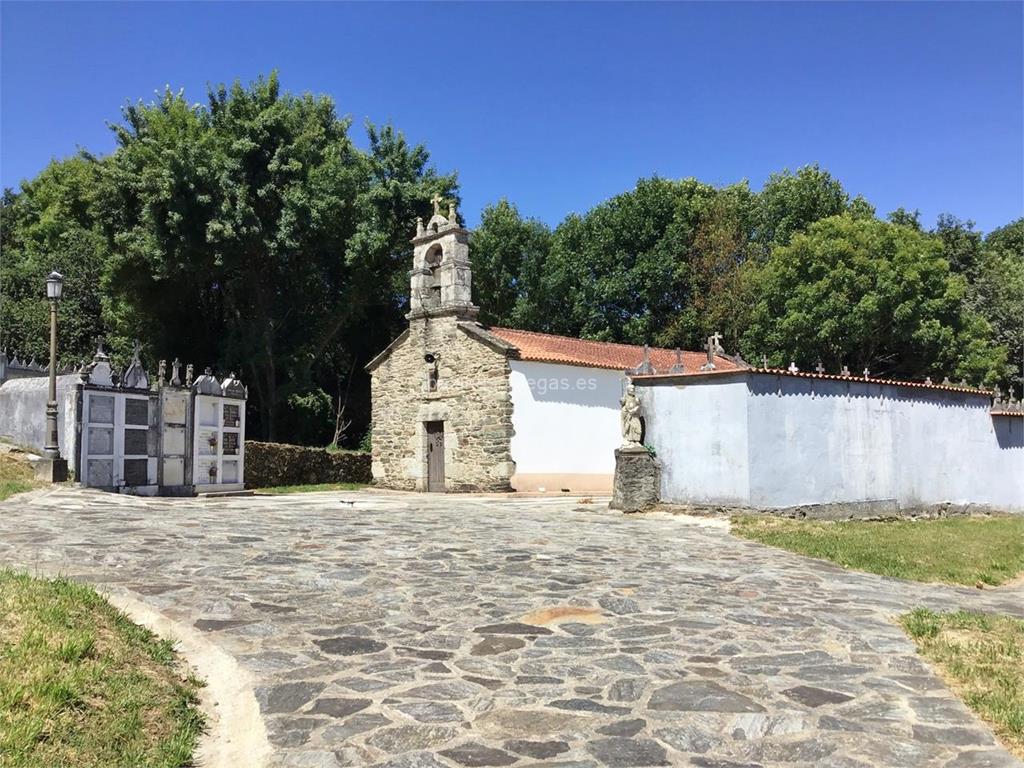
(252, 233)
(621, 272)
(997, 294)
(872, 294)
(52, 224)
(506, 251)
(790, 202)
(718, 272)
(904, 218)
(961, 244)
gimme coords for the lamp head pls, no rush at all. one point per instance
(54, 285)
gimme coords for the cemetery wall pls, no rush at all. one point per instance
(831, 447)
(699, 433)
(566, 421)
(270, 464)
(23, 413)
(471, 398)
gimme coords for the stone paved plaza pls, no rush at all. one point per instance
(423, 631)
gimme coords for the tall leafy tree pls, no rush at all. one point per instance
(719, 268)
(905, 218)
(872, 294)
(508, 254)
(52, 224)
(997, 294)
(790, 202)
(621, 272)
(254, 234)
(961, 244)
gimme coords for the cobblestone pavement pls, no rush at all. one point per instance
(423, 631)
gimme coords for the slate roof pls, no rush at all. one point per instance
(548, 348)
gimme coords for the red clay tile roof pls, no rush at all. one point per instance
(547, 348)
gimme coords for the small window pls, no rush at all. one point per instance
(432, 378)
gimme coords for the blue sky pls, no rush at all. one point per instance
(560, 106)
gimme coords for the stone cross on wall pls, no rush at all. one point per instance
(713, 347)
(436, 200)
(678, 366)
(176, 373)
(819, 368)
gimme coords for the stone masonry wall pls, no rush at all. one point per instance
(473, 399)
(270, 464)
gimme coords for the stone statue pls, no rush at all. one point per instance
(630, 419)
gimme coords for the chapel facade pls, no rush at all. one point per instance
(458, 406)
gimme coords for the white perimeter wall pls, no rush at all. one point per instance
(699, 433)
(566, 418)
(773, 441)
(23, 412)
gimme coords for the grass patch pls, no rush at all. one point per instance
(961, 550)
(981, 657)
(16, 476)
(313, 488)
(82, 686)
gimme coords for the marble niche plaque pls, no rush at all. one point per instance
(232, 415)
(101, 409)
(101, 472)
(101, 441)
(230, 444)
(136, 472)
(175, 407)
(136, 411)
(174, 471)
(174, 441)
(136, 442)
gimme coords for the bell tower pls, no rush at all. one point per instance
(441, 278)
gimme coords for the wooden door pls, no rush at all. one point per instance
(435, 456)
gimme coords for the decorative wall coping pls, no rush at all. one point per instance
(868, 379)
(13, 368)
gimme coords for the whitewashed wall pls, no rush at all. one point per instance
(566, 421)
(699, 433)
(771, 441)
(23, 413)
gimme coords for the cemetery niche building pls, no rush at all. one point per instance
(459, 406)
(122, 431)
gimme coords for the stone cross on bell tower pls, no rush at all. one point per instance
(441, 278)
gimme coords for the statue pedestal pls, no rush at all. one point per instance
(637, 484)
(51, 470)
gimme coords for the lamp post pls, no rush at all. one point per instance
(56, 469)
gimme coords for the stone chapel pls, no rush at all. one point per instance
(458, 406)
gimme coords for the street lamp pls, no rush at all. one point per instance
(57, 469)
